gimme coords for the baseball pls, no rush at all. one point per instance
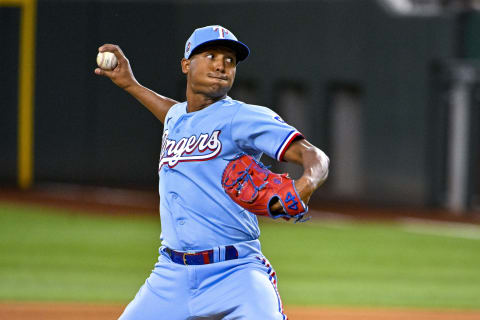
(106, 60)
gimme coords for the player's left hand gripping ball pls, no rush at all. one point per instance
(107, 60)
(252, 186)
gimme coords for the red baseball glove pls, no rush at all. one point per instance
(252, 186)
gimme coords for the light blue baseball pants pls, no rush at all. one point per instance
(244, 288)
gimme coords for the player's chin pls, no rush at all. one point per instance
(219, 90)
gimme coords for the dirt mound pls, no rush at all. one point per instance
(72, 311)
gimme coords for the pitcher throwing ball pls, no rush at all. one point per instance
(212, 186)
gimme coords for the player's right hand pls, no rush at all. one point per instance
(122, 75)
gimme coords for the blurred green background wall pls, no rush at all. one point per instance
(358, 80)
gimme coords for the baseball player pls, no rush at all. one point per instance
(211, 265)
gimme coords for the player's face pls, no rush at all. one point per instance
(211, 71)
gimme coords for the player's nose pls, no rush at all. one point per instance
(219, 65)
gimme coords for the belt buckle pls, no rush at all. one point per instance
(184, 256)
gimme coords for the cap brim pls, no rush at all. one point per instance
(241, 50)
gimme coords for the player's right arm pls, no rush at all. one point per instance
(123, 77)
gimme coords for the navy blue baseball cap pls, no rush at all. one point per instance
(217, 35)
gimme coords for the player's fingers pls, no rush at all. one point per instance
(107, 47)
(276, 206)
(116, 50)
(102, 72)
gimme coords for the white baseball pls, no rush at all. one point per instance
(106, 60)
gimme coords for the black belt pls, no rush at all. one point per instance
(202, 257)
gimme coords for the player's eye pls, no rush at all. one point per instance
(209, 56)
(229, 60)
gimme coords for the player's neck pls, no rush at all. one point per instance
(196, 102)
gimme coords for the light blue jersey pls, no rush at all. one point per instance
(196, 213)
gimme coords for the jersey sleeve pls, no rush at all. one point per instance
(258, 129)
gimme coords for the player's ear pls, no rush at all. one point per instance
(185, 65)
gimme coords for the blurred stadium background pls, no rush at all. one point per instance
(389, 89)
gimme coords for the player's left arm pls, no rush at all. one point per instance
(315, 166)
